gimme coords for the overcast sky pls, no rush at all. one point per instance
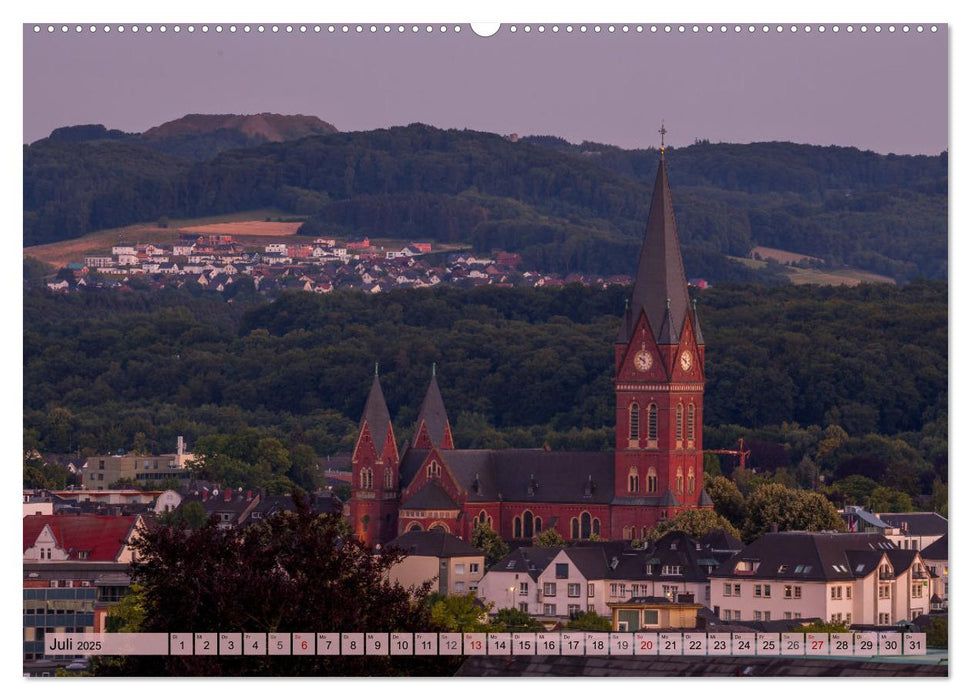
(884, 92)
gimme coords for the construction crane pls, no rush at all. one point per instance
(741, 453)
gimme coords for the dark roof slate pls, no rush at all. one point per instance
(524, 475)
(433, 543)
(528, 560)
(917, 524)
(433, 413)
(660, 286)
(376, 415)
(431, 496)
(936, 550)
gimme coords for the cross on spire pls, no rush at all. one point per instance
(662, 131)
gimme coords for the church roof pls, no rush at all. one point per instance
(525, 475)
(376, 414)
(431, 496)
(660, 287)
(704, 499)
(433, 413)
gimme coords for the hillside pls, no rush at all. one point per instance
(566, 208)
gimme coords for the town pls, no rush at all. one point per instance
(628, 539)
(217, 261)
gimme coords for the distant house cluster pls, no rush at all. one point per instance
(215, 262)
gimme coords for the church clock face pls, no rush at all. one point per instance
(686, 360)
(643, 361)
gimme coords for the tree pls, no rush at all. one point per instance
(488, 541)
(294, 571)
(728, 500)
(129, 614)
(589, 621)
(189, 515)
(853, 490)
(888, 500)
(549, 538)
(514, 620)
(821, 627)
(788, 509)
(937, 633)
(460, 613)
(695, 523)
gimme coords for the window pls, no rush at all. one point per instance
(434, 470)
(849, 592)
(916, 590)
(623, 590)
(679, 425)
(549, 609)
(680, 481)
(586, 525)
(652, 423)
(528, 524)
(633, 480)
(727, 614)
(367, 478)
(691, 480)
(758, 590)
(573, 610)
(836, 593)
(613, 590)
(787, 591)
(671, 570)
(589, 590)
(563, 571)
(596, 526)
(798, 591)
(691, 425)
(634, 414)
(767, 591)
(517, 527)
(737, 589)
(758, 615)
(460, 586)
(738, 615)
(884, 591)
(787, 616)
(849, 618)
(460, 568)
(524, 588)
(669, 591)
(549, 589)
(651, 480)
(474, 568)
(387, 479)
(628, 533)
(524, 607)
(883, 619)
(573, 590)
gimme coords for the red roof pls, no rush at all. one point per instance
(101, 536)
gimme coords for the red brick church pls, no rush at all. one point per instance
(654, 472)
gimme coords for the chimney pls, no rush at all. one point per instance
(773, 527)
(249, 495)
(228, 495)
(179, 448)
(205, 493)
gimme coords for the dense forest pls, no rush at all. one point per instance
(821, 382)
(565, 208)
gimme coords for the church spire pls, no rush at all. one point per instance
(431, 427)
(660, 288)
(376, 413)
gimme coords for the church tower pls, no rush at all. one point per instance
(659, 381)
(374, 472)
(432, 428)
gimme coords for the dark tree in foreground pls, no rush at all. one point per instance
(293, 572)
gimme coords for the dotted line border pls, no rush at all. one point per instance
(510, 29)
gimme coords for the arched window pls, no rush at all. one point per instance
(388, 479)
(539, 525)
(633, 480)
(691, 480)
(517, 528)
(574, 529)
(644, 532)
(691, 425)
(438, 527)
(484, 519)
(434, 470)
(651, 480)
(585, 526)
(680, 481)
(679, 425)
(635, 421)
(528, 524)
(367, 478)
(596, 526)
(652, 422)
(628, 533)
(414, 527)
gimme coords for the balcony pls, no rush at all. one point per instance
(919, 575)
(887, 576)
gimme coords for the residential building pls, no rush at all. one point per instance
(102, 471)
(841, 577)
(654, 613)
(915, 530)
(454, 567)
(935, 556)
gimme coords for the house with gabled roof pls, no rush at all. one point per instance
(935, 555)
(915, 530)
(453, 566)
(855, 578)
(65, 538)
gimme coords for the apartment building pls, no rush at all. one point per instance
(839, 577)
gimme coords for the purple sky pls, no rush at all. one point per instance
(885, 92)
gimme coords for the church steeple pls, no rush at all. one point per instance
(660, 287)
(376, 414)
(432, 428)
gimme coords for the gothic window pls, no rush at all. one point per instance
(484, 518)
(634, 421)
(691, 480)
(652, 422)
(633, 480)
(574, 529)
(367, 478)
(628, 533)
(414, 527)
(678, 425)
(691, 425)
(528, 524)
(644, 532)
(388, 479)
(517, 527)
(680, 481)
(585, 526)
(539, 525)
(438, 527)
(596, 526)
(651, 480)
(434, 470)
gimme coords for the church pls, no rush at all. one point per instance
(653, 473)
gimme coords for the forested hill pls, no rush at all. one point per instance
(565, 208)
